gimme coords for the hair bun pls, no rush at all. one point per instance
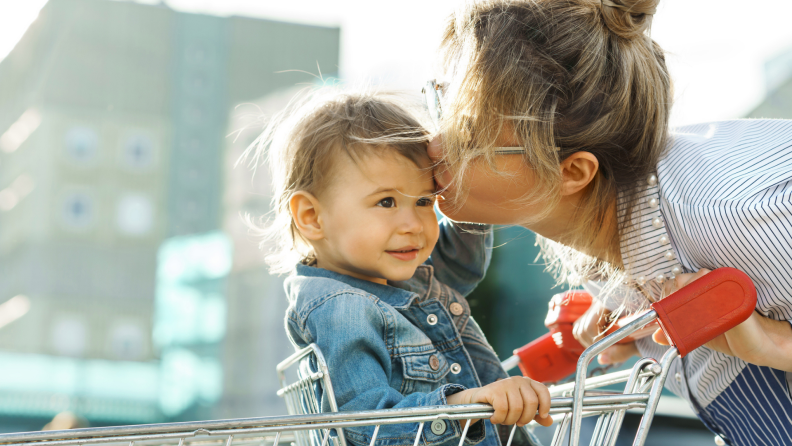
(628, 19)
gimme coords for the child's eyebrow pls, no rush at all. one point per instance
(382, 190)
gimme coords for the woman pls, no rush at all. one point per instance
(556, 118)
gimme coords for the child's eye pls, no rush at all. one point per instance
(387, 202)
(425, 201)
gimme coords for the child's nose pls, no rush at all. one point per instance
(410, 222)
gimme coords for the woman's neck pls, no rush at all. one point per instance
(602, 243)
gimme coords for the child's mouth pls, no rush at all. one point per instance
(405, 254)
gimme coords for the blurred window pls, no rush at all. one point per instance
(138, 152)
(69, 337)
(82, 144)
(78, 210)
(127, 341)
(135, 214)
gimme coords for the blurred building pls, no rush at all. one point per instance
(113, 124)
(777, 103)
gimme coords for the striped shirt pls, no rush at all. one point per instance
(722, 196)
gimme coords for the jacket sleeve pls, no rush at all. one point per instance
(350, 330)
(462, 254)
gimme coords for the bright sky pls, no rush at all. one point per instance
(717, 48)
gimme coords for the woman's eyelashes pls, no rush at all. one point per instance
(425, 201)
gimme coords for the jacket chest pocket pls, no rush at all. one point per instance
(423, 372)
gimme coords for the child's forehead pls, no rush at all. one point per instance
(383, 168)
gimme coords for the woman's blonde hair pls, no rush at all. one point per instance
(302, 143)
(566, 76)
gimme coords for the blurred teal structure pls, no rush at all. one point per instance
(190, 321)
(510, 304)
(115, 166)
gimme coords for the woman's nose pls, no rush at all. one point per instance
(435, 149)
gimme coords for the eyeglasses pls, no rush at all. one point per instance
(433, 96)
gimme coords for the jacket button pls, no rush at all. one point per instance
(431, 319)
(456, 309)
(434, 363)
(678, 377)
(438, 427)
(456, 368)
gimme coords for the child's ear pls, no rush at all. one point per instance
(304, 209)
(577, 172)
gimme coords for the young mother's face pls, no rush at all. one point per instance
(488, 195)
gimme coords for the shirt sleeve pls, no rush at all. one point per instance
(361, 372)
(462, 254)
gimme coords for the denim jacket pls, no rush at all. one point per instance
(406, 344)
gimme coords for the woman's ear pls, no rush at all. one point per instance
(304, 209)
(577, 172)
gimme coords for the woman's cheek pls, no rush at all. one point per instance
(443, 179)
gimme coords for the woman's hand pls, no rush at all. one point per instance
(515, 400)
(587, 330)
(759, 340)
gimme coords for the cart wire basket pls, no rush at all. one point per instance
(730, 297)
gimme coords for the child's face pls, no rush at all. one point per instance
(377, 218)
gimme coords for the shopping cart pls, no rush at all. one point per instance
(690, 317)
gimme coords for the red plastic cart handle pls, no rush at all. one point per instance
(706, 308)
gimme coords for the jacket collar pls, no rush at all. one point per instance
(396, 294)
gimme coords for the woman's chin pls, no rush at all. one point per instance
(461, 213)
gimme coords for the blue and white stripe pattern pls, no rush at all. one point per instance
(752, 410)
(723, 197)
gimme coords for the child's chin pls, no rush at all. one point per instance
(401, 276)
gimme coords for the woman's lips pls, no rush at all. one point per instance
(405, 255)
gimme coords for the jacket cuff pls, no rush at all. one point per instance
(434, 433)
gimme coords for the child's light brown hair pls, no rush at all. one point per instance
(302, 143)
(567, 76)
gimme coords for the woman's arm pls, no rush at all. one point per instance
(759, 340)
(462, 254)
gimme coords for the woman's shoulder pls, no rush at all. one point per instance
(726, 162)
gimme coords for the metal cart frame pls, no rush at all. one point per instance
(712, 314)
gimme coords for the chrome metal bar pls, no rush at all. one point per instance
(296, 423)
(373, 437)
(641, 367)
(308, 425)
(274, 443)
(418, 435)
(595, 382)
(312, 377)
(510, 362)
(464, 433)
(560, 431)
(600, 400)
(654, 396)
(585, 359)
(326, 437)
(511, 435)
(600, 429)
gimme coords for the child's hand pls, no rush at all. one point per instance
(515, 400)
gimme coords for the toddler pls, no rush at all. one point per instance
(375, 281)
